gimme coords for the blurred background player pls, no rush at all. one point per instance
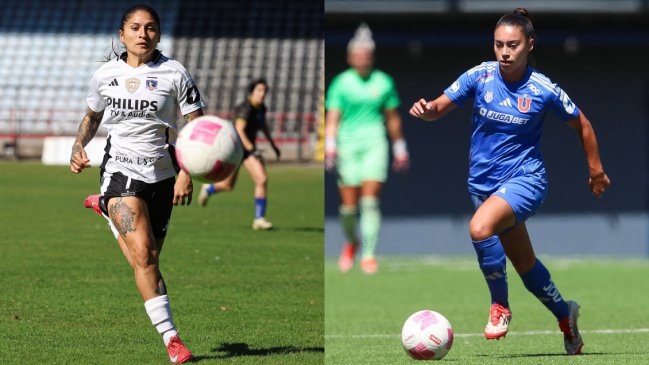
(136, 94)
(360, 103)
(507, 178)
(250, 118)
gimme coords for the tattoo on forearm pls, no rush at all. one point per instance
(76, 148)
(88, 128)
(193, 115)
(123, 217)
(161, 289)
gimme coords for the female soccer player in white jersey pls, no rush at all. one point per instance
(249, 119)
(136, 95)
(361, 103)
(507, 179)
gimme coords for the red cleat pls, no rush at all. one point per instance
(92, 202)
(178, 353)
(571, 337)
(498, 324)
(346, 260)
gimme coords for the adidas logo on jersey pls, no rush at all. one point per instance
(113, 83)
(505, 102)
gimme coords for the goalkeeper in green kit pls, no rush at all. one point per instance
(361, 107)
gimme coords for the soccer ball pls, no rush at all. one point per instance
(209, 149)
(427, 335)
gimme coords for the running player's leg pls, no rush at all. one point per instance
(370, 223)
(493, 216)
(208, 190)
(159, 311)
(141, 228)
(162, 288)
(537, 280)
(535, 276)
(130, 217)
(257, 170)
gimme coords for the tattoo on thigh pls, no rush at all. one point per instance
(123, 217)
(161, 289)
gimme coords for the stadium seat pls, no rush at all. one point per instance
(51, 49)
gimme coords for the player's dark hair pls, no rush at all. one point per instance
(520, 17)
(128, 13)
(256, 82)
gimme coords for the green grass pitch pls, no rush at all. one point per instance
(238, 296)
(364, 314)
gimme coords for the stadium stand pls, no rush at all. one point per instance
(52, 48)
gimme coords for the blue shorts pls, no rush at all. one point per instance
(524, 193)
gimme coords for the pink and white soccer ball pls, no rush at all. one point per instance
(209, 148)
(427, 335)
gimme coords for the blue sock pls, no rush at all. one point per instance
(538, 282)
(491, 258)
(260, 207)
(211, 189)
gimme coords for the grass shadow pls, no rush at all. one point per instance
(300, 229)
(515, 356)
(227, 350)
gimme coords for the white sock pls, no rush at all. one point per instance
(159, 311)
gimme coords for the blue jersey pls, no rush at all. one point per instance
(507, 122)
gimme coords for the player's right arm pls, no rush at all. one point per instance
(432, 110)
(331, 130)
(87, 130)
(455, 95)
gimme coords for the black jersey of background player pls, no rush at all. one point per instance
(255, 118)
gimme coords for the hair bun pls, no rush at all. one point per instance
(522, 12)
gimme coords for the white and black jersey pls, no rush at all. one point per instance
(140, 108)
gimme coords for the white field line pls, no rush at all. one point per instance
(512, 333)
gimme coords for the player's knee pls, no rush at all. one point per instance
(262, 180)
(144, 259)
(479, 230)
(348, 210)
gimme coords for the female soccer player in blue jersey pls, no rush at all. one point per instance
(507, 179)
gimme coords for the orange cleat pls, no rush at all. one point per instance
(369, 265)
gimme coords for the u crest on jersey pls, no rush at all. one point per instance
(524, 104)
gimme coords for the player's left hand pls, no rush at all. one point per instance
(401, 163)
(79, 159)
(183, 189)
(278, 153)
(330, 161)
(598, 184)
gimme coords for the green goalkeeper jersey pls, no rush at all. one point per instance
(361, 103)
